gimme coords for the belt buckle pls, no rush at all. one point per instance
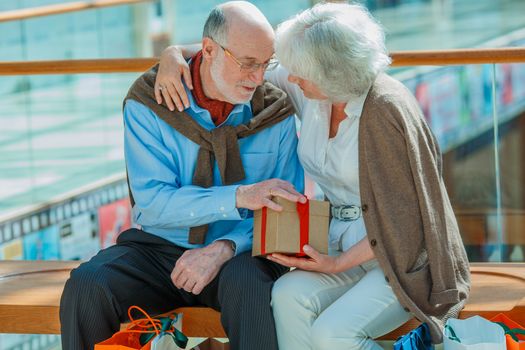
(350, 212)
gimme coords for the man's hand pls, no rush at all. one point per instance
(168, 85)
(196, 268)
(259, 195)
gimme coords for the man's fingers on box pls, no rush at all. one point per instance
(272, 205)
(286, 185)
(279, 192)
(292, 197)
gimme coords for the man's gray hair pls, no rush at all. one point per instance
(339, 47)
(216, 26)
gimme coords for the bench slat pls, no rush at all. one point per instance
(29, 302)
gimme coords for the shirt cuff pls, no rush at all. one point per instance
(225, 201)
(242, 243)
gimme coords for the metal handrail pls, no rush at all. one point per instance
(399, 59)
(56, 9)
(107, 65)
(458, 57)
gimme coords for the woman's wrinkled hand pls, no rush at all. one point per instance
(168, 85)
(314, 261)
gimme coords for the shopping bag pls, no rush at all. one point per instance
(416, 339)
(149, 333)
(474, 333)
(514, 332)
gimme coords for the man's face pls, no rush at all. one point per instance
(234, 68)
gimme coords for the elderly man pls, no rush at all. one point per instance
(194, 176)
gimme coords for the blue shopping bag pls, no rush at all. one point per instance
(416, 339)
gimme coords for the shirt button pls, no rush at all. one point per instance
(222, 208)
(373, 242)
(192, 214)
(224, 215)
(364, 208)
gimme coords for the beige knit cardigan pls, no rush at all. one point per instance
(408, 216)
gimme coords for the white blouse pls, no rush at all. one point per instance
(331, 162)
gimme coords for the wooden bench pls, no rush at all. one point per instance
(30, 297)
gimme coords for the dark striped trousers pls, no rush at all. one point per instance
(136, 271)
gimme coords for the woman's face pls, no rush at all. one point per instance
(309, 88)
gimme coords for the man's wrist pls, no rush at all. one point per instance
(229, 245)
(238, 195)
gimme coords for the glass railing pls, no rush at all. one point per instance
(68, 136)
(58, 138)
(476, 113)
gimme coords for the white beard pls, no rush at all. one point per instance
(225, 89)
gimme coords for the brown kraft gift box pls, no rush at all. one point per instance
(283, 228)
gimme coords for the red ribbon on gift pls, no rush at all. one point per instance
(263, 230)
(303, 211)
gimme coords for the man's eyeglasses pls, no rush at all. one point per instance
(251, 67)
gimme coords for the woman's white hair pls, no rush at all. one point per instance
(339, 47)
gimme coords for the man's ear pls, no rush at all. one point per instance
(209, 48)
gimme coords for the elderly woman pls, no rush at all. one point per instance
(395, 248)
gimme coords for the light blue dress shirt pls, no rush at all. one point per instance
(161, 162)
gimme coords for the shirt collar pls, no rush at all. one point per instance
(354, 106)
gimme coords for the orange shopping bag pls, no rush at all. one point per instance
(145, 333)
(514, 332)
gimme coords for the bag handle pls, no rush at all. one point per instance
(452, 335)
(160, 325)
(167, 325)
(142, 322)
(512, 332)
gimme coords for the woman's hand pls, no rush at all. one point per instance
(315, 261)
(168, 85)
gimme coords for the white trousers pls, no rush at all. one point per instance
(337, 311)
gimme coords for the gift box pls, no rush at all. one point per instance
(288, 231)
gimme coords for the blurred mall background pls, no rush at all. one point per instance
(62, 185)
